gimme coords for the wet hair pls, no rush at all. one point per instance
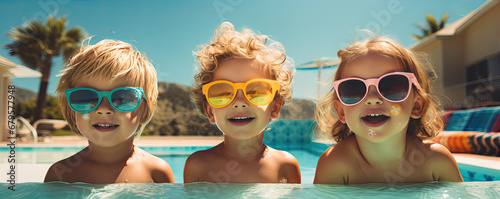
(109, 59)
(427, 126)
(227, 44)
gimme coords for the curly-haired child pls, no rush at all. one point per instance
(243, 80)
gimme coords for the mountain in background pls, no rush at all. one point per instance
(23, 95)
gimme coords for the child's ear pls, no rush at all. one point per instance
(276, 108)
(340, 111)
(208, 111)
(418, 108)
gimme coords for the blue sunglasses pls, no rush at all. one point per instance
(84, 100)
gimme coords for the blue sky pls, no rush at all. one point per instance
(169, 31)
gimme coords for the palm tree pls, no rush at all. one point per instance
(37, 43)
(431, 26)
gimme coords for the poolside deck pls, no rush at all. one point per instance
(36, 172)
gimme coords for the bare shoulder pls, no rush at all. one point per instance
(202, 156)
(443, 164)
(61, 170)
(160, 170)
(436, 152)
(340, 153)
(196, 163)
(287, 163)
(282, 156)
(52, 172)
(333, 165)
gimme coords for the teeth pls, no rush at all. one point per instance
(375, 115)
(240, 118)
(105, 125)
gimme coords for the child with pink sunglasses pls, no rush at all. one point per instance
(384, 110)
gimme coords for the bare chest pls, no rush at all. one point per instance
(238, 171)
(108, 173)
(405, 172)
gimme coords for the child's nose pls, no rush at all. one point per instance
(240, 100)
(105, 107)
(372, 97)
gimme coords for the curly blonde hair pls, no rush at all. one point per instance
(230, 44)
(109, 59)
(427, 126)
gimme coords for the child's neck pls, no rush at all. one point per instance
(120, 152)
(244, 148)
(384, 155)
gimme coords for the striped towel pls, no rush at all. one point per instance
(470, 142)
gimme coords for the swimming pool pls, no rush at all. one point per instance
(258, 190)
(176, 157)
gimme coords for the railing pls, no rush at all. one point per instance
(56, 124)
(28, 125)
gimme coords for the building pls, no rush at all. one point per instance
(9, 69)
(466, 57)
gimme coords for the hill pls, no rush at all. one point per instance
(23, 95)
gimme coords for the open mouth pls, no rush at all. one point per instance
(375, 119)
(105, 127)
(241, 120)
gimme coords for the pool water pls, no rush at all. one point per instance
(176, 158)
(259, 190)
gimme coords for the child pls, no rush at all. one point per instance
(108, 93)
(241, 86)
(382, 120)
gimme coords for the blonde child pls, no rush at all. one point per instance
(382, 98)
(108, 93)
(242, 84)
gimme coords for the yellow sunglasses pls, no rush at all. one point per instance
(257, 91)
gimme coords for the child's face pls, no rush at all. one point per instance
(362, 118)
(105, 126)
(241, 119)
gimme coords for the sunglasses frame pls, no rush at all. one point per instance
(275, 86)
(106, 94)
(375, 81)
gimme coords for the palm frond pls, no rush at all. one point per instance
(444, 18)
(431, 23)
(417, 37)
(431, 26)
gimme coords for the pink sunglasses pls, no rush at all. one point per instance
(393, 87)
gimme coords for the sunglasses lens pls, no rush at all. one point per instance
(351, 91)
(83, 100)
(259, 92)
(125, 100)
(394, 87)
(220, 94)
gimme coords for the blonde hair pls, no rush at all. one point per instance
(427, 126)
(109, 59)
(230, 44)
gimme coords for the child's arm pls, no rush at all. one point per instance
(53, 174)
(328, 170)
(161, 171)
(444, 166)
(292, 169)
(193, 168)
